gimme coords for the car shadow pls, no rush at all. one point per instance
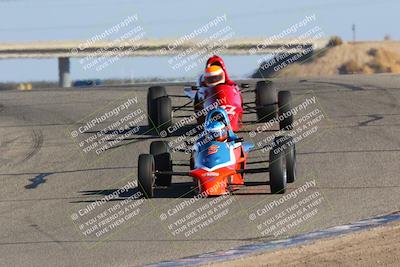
(146, 130)
(176, 190)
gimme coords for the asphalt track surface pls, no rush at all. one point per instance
(46, 178)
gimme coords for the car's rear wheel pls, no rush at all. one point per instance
(153, 93)
(197, 107)
(277, 170)
(146, 178)
(290, 156)
(285, 105)
(265, 101)
(158, 147)
(164, 112)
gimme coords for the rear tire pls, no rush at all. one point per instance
(158, 147)
(197, 107)
(146, 178)
(164, 112)
(277, 172)
(285, 105)
(265, 101)
(153, 93)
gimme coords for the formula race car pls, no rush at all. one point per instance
(217, 167)
(214, 88)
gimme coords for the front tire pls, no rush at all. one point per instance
(290, 156)
(163, 162)
(146, 178)
(277, 172)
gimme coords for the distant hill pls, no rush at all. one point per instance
(346, 58)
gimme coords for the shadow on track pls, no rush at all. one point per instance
(181, 190)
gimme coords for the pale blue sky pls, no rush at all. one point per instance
(27, 20)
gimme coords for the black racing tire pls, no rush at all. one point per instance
(197, 107)
(265, 101)
(162, 157)
(290, 156)
(153, 93)
(146, 178)
(277, 172)
(163, 163)
(158, 147)
(164, 112)
(284, 106)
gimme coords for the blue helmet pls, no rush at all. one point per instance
(217, 131)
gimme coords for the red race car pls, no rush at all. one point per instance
(215, 89)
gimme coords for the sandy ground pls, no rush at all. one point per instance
(328, 61)
(376, 247)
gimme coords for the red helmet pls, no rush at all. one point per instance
(214, 75)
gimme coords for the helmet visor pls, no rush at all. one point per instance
(214, 79)
(218, 134)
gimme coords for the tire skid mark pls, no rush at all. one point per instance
(374, 117)
(37, 140)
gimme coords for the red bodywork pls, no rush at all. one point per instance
(227, 95)
(223, 180)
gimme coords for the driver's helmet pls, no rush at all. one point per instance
(217, 131)
(214, 75)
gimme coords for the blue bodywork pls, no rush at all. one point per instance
(247, 146)
(221, 156)
(210, 154)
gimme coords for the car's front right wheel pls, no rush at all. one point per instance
(277, 171)
(146, 177)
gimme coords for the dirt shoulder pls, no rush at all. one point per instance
(377, 247)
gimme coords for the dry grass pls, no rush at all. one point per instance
(349, 58)
(335, 41)
(384, 61)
